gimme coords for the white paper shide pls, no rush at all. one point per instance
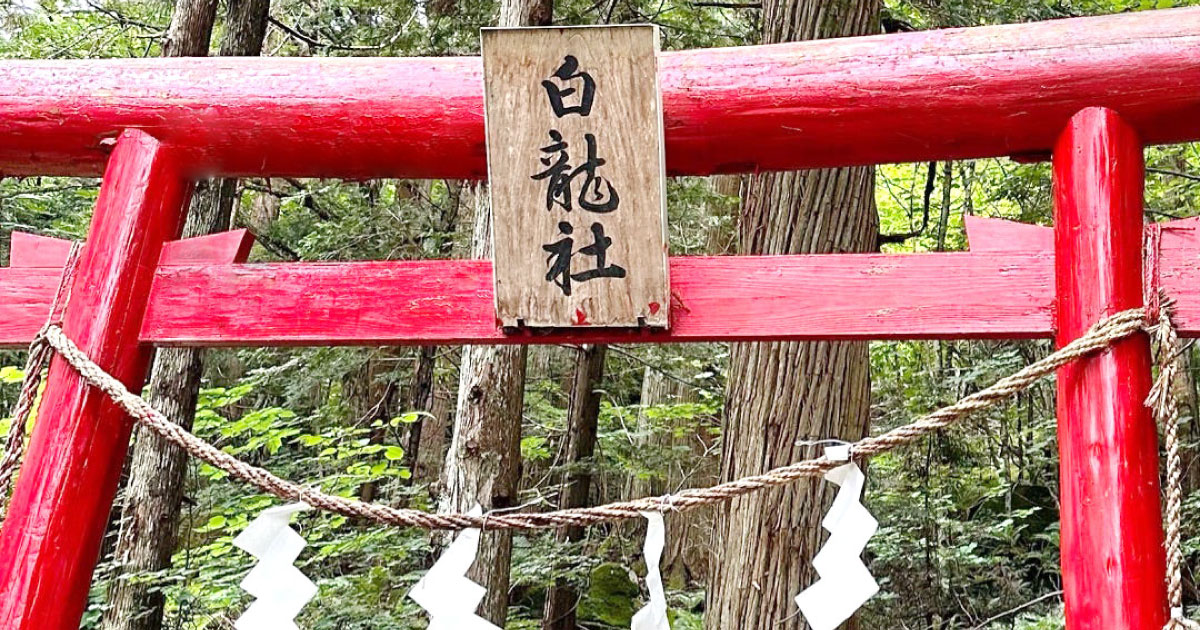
(846, 583)
(280, 589)
(446, 593)
(654, 615)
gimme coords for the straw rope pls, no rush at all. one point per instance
(36, 364)
(1099, 337)
(1162, 400)
(1108, 331)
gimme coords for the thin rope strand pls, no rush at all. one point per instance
(36, 363)
(1099, 337)
(1162, 400)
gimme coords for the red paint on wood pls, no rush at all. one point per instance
(1001, 235)
(934, 95)
(1178, 258)
(1112, 553)
(223, 247)
(26, 303)
(60, 507)
(846, 296)
(1015, 264)
(34, 251)
(1179, 272)
(28, 286)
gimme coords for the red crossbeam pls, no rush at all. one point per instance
(934, 95)
(1003, 288)
(716, 298)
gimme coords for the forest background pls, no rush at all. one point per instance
(969, 531)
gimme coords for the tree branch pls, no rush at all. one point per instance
(930, 179)
(1163, 171)
(316, 43)
(728, 5)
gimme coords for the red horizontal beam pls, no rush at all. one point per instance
(28, 285)
(1177, 272)
(947, 94)
(1002, 289)
(847, 296)
(35, 251)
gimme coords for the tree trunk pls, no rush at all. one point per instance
(149, 526)
(483, 463)
(191, 28)
(420, 400)
(780, 393)
(687, 552)
(583, 414)
(526, 12)
(430, 457)
(245, 28)
(370, 398)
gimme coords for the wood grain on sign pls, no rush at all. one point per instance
(575, 162)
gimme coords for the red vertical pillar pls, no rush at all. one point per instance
(51, 537)
(1112, 539)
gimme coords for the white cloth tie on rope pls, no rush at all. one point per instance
(280, 589)
(446, 593)
(845, 583)
(654, 615)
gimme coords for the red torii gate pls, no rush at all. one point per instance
(1090, 91)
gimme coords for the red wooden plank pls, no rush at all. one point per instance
(1001, 235)
(60, 506)
(26, 303)
(846, 296)
(1178, 266)
(34, 251)
(943, 94)
(1114, 574)
(28, 285)
(181, 313)
(1179, 272)
(228, 247)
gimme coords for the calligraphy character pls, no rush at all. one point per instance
(569, 71)
(595, 195)
(560, 258)
(562, 250)
(599, 249)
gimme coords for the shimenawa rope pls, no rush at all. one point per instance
(36, 364)
(1100, 336)
(1166, 413)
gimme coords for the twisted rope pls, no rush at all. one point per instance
(36, 364)
(1100, 336)
(1166, 412)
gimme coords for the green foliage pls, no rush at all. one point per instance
(11, 374)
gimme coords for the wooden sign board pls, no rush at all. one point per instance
(575, 162)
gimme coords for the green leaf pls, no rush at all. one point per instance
(214, 523)
(312, 440)
(408, 418)
(394, 453)
(10, 374)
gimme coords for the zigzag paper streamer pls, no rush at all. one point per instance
(446, 593)
(845, 583)
(280, 589)
(654, 615)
